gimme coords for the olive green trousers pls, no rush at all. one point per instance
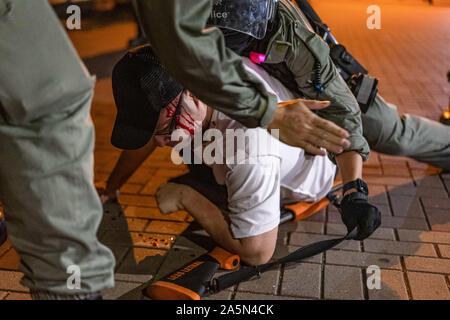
(51, 207)
(406, 135)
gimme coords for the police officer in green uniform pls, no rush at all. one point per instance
(385, 130)
(50, 205)
(198, 58)
(290, 41)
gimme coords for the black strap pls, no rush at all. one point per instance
(246, 273)
(356, 196)
(358, 184)
(312, 16)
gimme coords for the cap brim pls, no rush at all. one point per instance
(130, 137)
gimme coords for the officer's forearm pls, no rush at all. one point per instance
(344, 111)
(350, 165)
(200, 61)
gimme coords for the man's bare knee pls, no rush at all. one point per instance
(259, 249)
(257, 258)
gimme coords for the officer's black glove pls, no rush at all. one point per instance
(357, 212)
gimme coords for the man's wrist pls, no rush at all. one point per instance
(357, 185)
(112, 190)
(349, 191)
(355, 196)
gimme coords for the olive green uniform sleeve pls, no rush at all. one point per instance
(199, 60)
(307, 57)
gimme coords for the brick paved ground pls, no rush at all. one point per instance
(410, 55)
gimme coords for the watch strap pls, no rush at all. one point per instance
(356, 196)
(358, 184)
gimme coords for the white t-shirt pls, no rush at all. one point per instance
(269, 171)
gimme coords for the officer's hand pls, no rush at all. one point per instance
(360, 214)
(169, 197)
(300, 127)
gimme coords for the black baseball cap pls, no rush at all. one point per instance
(141, 88)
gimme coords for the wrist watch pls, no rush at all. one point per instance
(358, 184)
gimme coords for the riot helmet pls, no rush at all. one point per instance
(247, 16)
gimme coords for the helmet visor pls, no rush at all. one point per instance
(247, 16)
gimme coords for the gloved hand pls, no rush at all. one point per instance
(358, 212)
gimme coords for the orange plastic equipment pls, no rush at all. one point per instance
(188, 282)
(162, 290)
(227, 260)
(303, 210)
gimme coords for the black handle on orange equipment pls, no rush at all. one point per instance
(190, 281)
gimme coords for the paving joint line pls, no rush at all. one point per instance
(438, 251)
(410, 171)
(388, 268)
(280, 280)
(445, 185)
(279, 295)
(391, 207)
(447, 280)
(425, 214)
(405, 278)
(14, 291)
(406, 255)
(365, 290)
